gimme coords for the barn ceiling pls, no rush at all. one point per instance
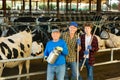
(83, 1)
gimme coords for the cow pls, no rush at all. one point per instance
(101, 42)
(41, 36)
(38, 34)
(41, 22)
(16, 46)
(25, 19)
(37, 49)
(110, 40)
(113, 41)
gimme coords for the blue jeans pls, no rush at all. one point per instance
(89, 69)
(73, 67)
(59, 71)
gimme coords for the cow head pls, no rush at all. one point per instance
(37, 49)
(41, 36)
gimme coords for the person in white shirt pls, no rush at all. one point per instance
(89, 46)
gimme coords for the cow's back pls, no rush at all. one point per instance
(16, 46)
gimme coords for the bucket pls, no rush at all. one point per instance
(54, 55)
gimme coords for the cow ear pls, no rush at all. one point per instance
(38, 41)
(28, 29)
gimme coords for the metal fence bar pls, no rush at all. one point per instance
(22, 75)
(109, 49)
(112, 54)
(107, 62)
(21, 59)
(38, 57)
(117, 78)
(79, 22)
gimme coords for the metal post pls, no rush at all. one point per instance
(78, 48)
(111, 54)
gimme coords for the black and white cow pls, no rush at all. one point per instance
(38, 34)
(18, 46)
(112, 41)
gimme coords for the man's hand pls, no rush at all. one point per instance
(59, 48)
(78, 41)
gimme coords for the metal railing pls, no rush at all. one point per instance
(43, 72)
(111, 57)
(22, 75)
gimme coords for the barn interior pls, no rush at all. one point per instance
(43, 14)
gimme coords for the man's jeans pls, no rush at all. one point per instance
(58, 71)
(89, 69)
(73, 67)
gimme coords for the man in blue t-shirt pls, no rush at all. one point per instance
(58, 66)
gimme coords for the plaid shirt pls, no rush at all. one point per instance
(95, 48)
(71, 43)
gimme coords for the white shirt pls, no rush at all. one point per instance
(87, 42)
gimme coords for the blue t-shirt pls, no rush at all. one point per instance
(50, 47)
